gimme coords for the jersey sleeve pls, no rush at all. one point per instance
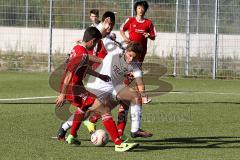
(73, 63)
(77, 51)
(125, 26)
(101, 50)
(152, 30)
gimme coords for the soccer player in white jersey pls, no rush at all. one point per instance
(117, 65)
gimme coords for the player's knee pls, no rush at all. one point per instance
(103, 110)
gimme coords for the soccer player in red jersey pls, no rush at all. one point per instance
(98, 52)
(139, 28)
(72, 88)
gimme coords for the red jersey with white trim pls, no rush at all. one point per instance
(136, 29)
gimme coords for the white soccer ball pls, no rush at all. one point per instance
(99, 138)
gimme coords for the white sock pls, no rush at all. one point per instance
(136, 114)
(68, 123)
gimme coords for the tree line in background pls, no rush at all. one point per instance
(70, 14)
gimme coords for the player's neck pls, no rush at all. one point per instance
(139, 18)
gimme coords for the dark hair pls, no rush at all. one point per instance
(90, 33)
(135, 47)
(109, 14)
(95, 11)
(144, 4)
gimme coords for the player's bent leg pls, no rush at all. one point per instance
(68, 124)
(88, 102)
(111, 127)
(122, 119)
(61, 133)
(78, 117)
(64, 127)
(130, 94)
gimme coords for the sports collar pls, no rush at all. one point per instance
(140, 21)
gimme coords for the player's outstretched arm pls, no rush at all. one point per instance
(103, 77)
(61, 98)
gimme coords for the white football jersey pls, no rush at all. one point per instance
(115, 66)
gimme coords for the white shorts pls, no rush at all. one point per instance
(105, 92)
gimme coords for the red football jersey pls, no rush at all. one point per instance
(76, 86)
(78, 50)
(136, 29)
(99, 51)
(75, 59)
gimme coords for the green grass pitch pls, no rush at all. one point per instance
(198, 120)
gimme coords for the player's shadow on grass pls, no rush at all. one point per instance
(189, 143)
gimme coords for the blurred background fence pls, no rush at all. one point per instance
(194, 37)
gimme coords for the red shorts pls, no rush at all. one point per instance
(82, 102)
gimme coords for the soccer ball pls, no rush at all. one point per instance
(99, 138)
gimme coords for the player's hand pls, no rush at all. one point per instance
(105, 78)
(145, 98)
(60, 100)
(130, 76)
(146, 35)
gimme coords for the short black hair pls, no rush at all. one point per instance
(144, 4)
(95, 11)
(109, 14)
(91, 33)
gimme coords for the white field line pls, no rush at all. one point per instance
(173, 92)
(27, 98)
(192, 92)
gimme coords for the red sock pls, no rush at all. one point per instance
(94, 118)
(78, 116)
(111, 128)
(121, 128)
(122, 120)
